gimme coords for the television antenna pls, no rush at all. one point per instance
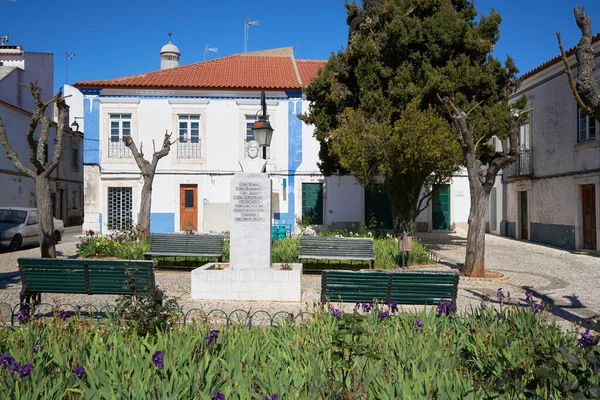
(207, 49)
(3, 39)
(68, 56)
(247, 25)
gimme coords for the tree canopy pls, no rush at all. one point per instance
(376, 104)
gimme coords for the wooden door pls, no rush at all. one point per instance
(440, 208)
(589, 216)
(524, 216)
(188, 210)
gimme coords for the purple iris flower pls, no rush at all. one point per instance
(273, 397)
(79, 372)
(383, 315)
(218, 396)
(500, 294)
(586, 339)
(445, 307)
(499, 316)
(25, 371)
(157, 359)
(535, 307)
(23, 315)
(212, 337)
(529, 296)
(37, 348)
(366, 306)
(419, 323)
(393, 306)
(336, 313)
(14, 367)
(64, 314)
(6, 360)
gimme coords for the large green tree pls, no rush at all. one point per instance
(383, 92)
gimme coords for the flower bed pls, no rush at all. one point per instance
(374, 352)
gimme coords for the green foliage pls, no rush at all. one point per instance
(148, 313)
(375, 105)
(465, 357)
(120, 245)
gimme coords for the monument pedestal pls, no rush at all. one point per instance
(249, 275)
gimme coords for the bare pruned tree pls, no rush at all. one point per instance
(41, 169)
(148, 170)
(586, 89)
(481, 181)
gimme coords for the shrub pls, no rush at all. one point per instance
(122, 245)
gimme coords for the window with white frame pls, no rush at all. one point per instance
(524, 136)
(189, 145)
(586, 126)
(120, 126)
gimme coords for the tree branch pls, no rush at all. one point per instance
(137, 156)
(11, 154)
(570, 75)
(61, 126)
(166, 147)
(587, 86)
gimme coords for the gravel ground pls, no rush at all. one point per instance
(566, 281)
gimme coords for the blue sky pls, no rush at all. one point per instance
(116, 38)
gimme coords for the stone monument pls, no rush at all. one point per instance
(250, 275)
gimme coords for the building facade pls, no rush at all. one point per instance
(209, 107)
(17, 68)
(551, 193)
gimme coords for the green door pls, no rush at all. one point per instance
(378, 209)
(440, 208)
(312, 203)
(524, 218)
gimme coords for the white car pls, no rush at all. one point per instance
(19, 227)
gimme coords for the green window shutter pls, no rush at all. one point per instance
(312, 203)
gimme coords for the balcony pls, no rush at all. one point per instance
(188, 150)
(118, 150)
(522, 167)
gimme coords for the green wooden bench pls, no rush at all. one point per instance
(184, 245)
(83, 276)
(334, 248)
(405, 287)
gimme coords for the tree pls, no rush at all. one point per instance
(586, 90)
(42, 170)
(148, 170)
(402, 57)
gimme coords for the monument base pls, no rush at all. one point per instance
(217, 281)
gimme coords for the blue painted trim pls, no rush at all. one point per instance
(100, 219)
(128, 96)
(95, 91)
(91, 139)
(294, 161)
(293, 93)
(162, 222)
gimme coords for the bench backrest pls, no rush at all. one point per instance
(319, 246)
(410, 287)
(59, 275)
(184, 243)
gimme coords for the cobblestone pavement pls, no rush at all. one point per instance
(566, 281)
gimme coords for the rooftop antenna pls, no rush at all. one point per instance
(207, 49)
(68, 56)
(247, 25)
(3, 39)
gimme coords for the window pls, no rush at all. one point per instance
(524, 137)
(120, 126)
(586, 126)
(312, 203)
(75, 158)
(249, 125)
(119, 208)
(189, 136)
(33, 219)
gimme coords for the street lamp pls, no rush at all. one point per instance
(263, 132)
(75, 126)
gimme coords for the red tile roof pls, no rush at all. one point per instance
(557, 59)
(270, 69)
(308, 69)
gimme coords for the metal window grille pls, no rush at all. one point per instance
(188, 150)
(119, 208)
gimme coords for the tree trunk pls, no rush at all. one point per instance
(43, 199)
(143, 226)
(475, 257)
(403, 211)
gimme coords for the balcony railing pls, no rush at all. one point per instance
(522, 167)
(188, 150)
(118, 150)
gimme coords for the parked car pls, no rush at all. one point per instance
(19, 227)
